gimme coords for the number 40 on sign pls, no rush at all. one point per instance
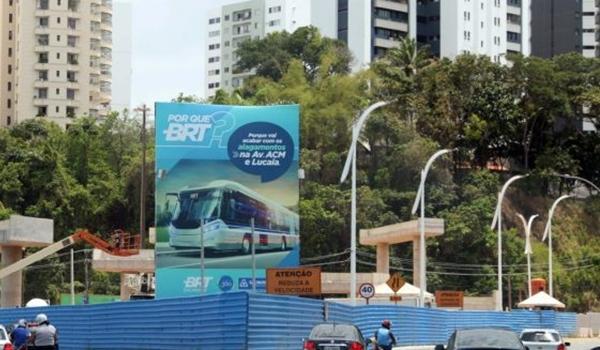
(367, 291)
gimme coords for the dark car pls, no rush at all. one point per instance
(335, 336)
(483, 338)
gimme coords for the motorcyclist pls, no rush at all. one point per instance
(20, 336)
(44, 335)
(384, 336)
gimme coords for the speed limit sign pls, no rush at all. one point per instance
(367, 291)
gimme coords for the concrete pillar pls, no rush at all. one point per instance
(12, 285)
(383, 258)
(125, 291)
(416, 263)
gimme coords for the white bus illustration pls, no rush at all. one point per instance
(226, 209)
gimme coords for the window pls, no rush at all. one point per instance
(214, 59)
(72, 23)
(214, 20)
(243, 15)
(214, 72)
(43, 75)
(214, 46)
(513, 37)
(391, 15)
(8, 120)
(9, 103)
(72, 41)
(226, 70)
(42, 4)
(481, 24)
(42, 93)
(10, 52)
(10, 69)
(227, 43)
(42, 111)
(58, 55)
(43, 40)
(70, 112)
(70, 94)
(213, 33)
(72, 59)
(9, 87)
(43, 22)
(10, 35)
(58, 20)
(58, 38)
(43, 57)
(71, 77)
(58, 2)
(10, 18)
(226, 18)
(274, 9)
(213, 85)
(274, 23)
(57, 91)
(57, 109)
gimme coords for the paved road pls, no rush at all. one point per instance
(191, 259)
(583, 343)
(576, 344)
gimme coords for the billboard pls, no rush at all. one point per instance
(223, 172)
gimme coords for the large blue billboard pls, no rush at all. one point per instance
(224, 172)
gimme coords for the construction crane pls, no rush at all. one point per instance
(121, 243)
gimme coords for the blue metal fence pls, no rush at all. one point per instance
(237, 321)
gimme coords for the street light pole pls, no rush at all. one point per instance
(548, 233)
(351, 161)
(144, 109)
(497, 222)
(528, 251)
(420, 202)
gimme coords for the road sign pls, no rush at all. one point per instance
(395, 298)
(395, 282)
(448, 298)
(294, 281)
(367, 291)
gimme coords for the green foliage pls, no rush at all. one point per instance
(84, 177)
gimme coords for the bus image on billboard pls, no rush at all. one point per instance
(224, 210)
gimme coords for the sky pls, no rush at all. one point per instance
(168, 48)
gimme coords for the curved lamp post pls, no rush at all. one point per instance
(548, 233)
(351, 160)
(497, 222)
(528, 251)
(567, 176)
(420, 202)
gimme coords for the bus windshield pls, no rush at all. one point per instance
(195, 206)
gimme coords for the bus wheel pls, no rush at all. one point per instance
(283, 244)
(246, 245)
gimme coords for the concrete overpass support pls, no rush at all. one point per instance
(383, 258)
(12, 285)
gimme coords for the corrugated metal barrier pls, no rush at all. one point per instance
(238, 321)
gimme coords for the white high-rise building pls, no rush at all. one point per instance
(56, 59)
(122, 57)
(484, 27)
(370, 27)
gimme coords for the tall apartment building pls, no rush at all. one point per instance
(232, 24)
(485, 27)
(565, 26)
(55, 60)
(371, 27)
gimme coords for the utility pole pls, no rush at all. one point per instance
(144, 109)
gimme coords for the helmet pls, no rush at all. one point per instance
(22, 323)
(41, 318)
(386, 323)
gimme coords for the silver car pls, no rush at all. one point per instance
(543, 339)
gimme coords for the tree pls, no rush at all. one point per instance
(271, 56)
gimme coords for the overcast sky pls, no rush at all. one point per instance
(168, 48)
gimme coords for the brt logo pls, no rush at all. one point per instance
(195, 283)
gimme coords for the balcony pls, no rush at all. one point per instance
(387, 24)
(386, 43)
(401, 6)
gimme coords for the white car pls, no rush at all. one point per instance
(543, 339)
(4, 339)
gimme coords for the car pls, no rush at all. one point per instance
(5, 343)
(543, 339)
(483, 338)
(335, 336)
